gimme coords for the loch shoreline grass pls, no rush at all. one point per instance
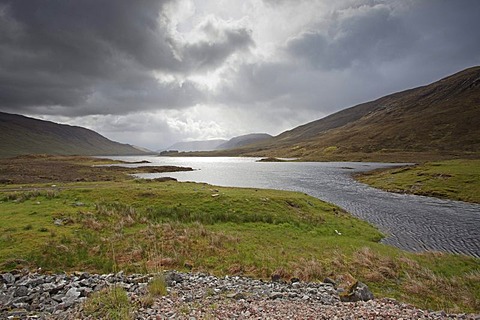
(457, 179)
(149, 226)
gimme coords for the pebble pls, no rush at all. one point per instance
(25, 295)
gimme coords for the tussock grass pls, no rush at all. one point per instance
(157, 286)
(111, 303)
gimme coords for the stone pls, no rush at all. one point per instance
(8, 278)
(276, 295)
(78, 204)
(275, 277)
(358, 292)
(330, 281)
(20, 291)
(236, 295)
(172, 278)
(71, 295)
(294, 280)
(296, 285)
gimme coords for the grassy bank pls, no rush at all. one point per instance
(141, 226)
(106, 221)
(451, 179)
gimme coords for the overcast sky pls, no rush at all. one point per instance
(152, 73)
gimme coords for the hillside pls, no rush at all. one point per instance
(24, 135)
(244, 140)
(202, 145)
(440, 118)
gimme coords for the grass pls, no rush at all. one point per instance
(111, 303)
(140, 226)
(451, 179)
(157, 286)
(148, 226)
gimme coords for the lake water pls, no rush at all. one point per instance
(413, 223)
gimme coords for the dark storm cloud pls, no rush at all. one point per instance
(99, 55)
(363, 51)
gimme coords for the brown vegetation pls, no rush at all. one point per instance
(48, 168)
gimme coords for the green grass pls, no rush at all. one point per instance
(451, 179)
(157, 286)
(145, 226)
(112, 304)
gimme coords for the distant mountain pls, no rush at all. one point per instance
(23, 135)
(244, 140)
(443, 117)
(205, 145)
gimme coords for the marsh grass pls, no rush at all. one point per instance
(151, 226)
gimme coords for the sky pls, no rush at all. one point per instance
(151, 73)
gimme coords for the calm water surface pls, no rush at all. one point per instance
(414, 223)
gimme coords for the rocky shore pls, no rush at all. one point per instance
(25, 295)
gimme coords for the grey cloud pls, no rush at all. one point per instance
(447, 31)
(362, 52)
(204, 54)
(363, 35)
(97, 56)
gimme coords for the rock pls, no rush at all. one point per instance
(296, 285)
(276, 295)
(172, 278)
(8, 278)
(20, 291)
(358, 292)
(58, 222)
(330, 281)
(4, 299)
(249, 298)
(78, 204)
(236, 295)
(294, 280)
(71, 295)
(275, 277)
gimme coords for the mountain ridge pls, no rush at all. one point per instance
(196, 145)
(440, 117)
(240, 141)
(26, 135)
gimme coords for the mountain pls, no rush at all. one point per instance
(23, 135)
(244, 140)
(205, 145)
(439, 118)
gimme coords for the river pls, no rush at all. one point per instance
(414, 223)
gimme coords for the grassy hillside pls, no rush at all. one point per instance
(141, 225)
(438, 120)
(22, 135)
(244, 140)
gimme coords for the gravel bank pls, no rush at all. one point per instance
(195, 296)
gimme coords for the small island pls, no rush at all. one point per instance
(271, 159)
